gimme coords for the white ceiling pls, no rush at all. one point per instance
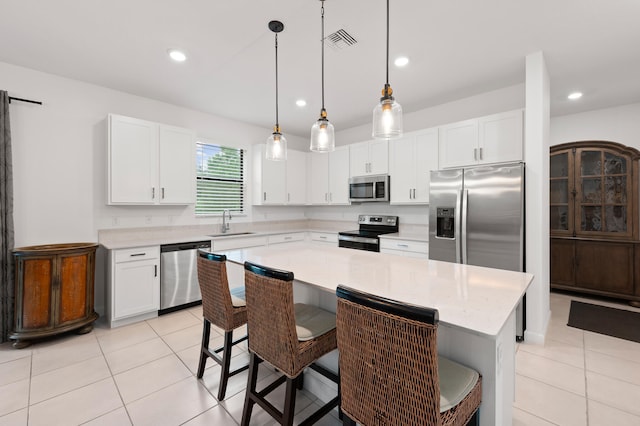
(457, 48)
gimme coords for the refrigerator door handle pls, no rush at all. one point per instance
(457, 234)
(463, 224)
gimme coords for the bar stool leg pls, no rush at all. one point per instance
(254, 363)
(289, 402)
(206, 332)
(226, 362)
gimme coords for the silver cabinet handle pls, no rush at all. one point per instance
(414, 193)
(155, 270)
(475, 154)
(163, 193)
(264, 196)
(137, 254)
(323, 237)
(410, 196)
(288, 196)
(153, 193)
(481, 153)
(287, 238)
(403, 245)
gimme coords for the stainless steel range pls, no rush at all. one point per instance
(366, 237)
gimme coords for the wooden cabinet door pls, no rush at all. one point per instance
(177, 159)
(75, 274)
(562, 262)
(605, 266)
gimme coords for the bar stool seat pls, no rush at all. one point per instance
(289, 336)
(391, 371)
(222, 307)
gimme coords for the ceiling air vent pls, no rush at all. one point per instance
(340, 39)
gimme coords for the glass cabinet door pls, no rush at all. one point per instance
(559, 192)
(603, 193)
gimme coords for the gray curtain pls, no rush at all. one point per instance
(6, 221)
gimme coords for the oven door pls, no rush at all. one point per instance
(359, 243)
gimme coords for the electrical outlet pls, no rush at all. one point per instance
(114, 220)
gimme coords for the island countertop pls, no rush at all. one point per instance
(474, 298)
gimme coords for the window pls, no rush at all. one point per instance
(219, 179)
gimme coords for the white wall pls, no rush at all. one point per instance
(619, 124)
(59, 158)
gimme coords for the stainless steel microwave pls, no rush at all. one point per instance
(369, 188)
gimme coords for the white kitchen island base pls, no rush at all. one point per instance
(476, 305)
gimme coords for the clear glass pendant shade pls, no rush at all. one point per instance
(322, 136)
(276, 147)
(387, 119)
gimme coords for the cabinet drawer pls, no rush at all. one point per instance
(285, 238)
(404, 245)
(134, 254)
(230, 243)
(325, 237)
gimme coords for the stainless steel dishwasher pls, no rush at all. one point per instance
(179, 286)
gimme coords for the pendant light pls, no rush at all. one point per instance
(276, 143)
(322, 132)
(387, 115)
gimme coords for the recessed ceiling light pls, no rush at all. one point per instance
(301, 103)
(177, 55)
(575, 95)
(401, 61)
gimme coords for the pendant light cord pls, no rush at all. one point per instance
(387, 43)
(277, 124)
(322, 44)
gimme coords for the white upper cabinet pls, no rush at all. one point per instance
(411, 158)
(296, 177)
(279, 182)
(149, 163)
(492, 139)
(369, 158)
(328, 181)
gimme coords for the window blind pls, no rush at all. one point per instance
(219, 179)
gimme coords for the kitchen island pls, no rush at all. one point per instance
(476, 305)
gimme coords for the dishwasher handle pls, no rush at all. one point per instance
(185, 246)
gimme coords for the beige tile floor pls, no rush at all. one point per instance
(144, 374)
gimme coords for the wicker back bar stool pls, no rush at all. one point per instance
(390, 371)
(288, 336)
(222, 307)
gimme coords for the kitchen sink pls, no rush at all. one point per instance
(231, 234)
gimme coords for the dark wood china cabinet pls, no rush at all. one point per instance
(594, 219)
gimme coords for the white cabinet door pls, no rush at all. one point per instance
(319, 178)
(402, 169)
(296, 177)
(411, 159)
(458, 144)
(501, 137)
(132, 161)
(177, 165)
(426, 156)
(359, 159)
(369, 158)
(150, 163)
(379, 157)
(269, 178)
(339, 176)
(135, 283)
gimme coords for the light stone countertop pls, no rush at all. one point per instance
(474, 298)
(409, 236)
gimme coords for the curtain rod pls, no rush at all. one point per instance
(11, 98)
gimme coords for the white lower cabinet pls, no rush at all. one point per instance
(409, 248)
(285, 238)
(324, 237)
(134, 283)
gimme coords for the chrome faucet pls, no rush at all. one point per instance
(225, 225)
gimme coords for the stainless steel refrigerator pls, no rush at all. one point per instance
(476, 217)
